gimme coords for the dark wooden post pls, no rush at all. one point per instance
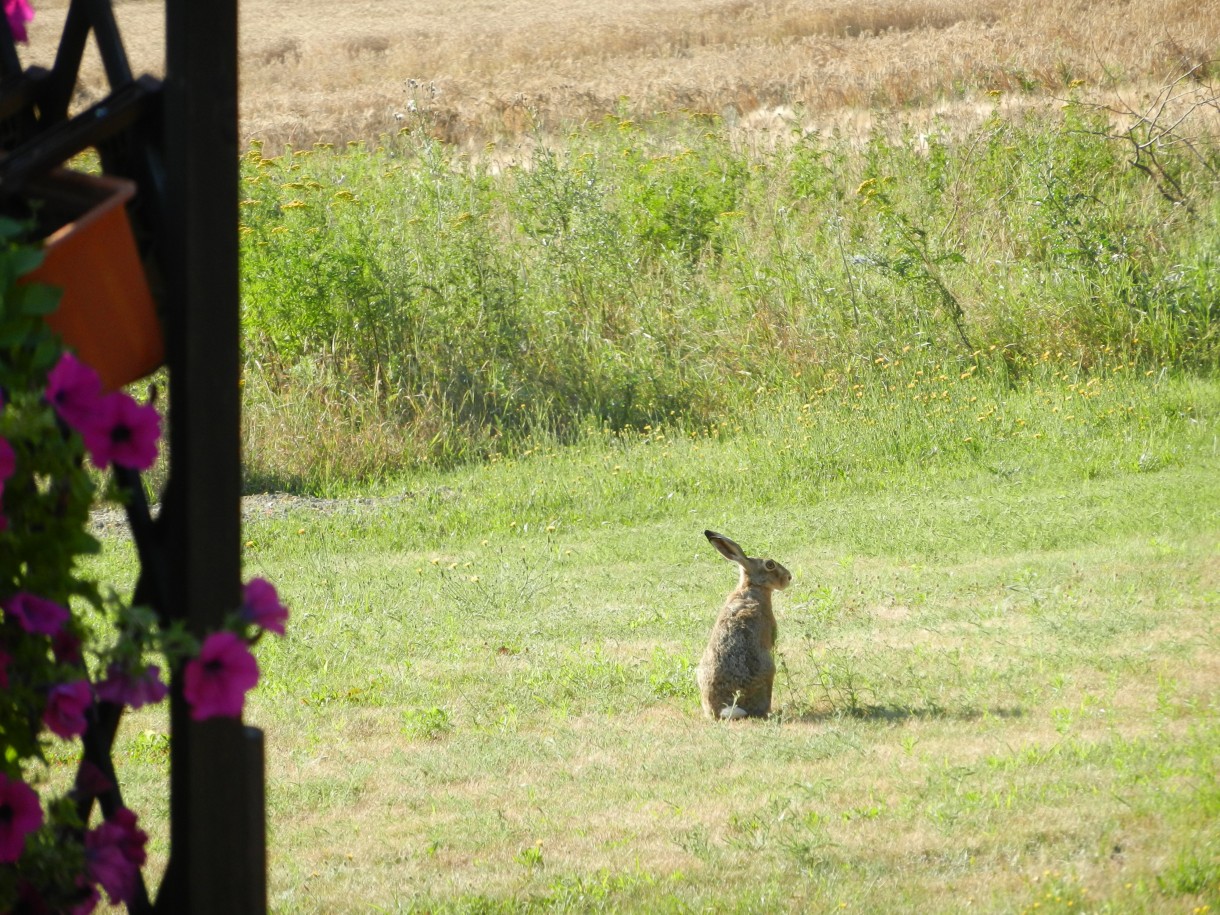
(217, 863)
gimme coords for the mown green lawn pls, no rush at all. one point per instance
(999, 675)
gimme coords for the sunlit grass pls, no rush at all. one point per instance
(997, 681)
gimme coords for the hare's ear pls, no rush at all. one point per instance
(728, 549)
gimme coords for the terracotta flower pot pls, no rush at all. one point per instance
(107, 314)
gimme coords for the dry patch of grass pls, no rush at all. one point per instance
(340, 71)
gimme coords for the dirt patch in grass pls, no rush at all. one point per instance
(111, 521)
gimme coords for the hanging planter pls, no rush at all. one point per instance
(107, 314)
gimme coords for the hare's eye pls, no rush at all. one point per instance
(769, 565)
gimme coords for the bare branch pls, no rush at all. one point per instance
(1163, 124)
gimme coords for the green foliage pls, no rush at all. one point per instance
(676, 202)
(27, 346)
(437, 311)
(1191, 874)
(86, 634)
(51, 495)
(151, 747)
(426, 723)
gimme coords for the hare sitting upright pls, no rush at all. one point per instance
(737, 671)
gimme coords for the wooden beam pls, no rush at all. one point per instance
(118, 112)
(217, 856)
(109, 43)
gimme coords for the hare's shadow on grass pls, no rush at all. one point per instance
(892, 714)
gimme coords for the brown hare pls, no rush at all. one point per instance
(737, 671)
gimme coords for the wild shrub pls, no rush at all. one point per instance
(633, 276)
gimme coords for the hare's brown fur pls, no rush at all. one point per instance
(737, 671)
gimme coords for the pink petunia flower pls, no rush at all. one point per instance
(66, 647)
(261, 606)
(64, 714)
(89, 898)
(107, 867)
(216, 682)
(123, 432)
(36, 614)
(121, 688)
(18, 13)
(114, 853)
(132, 839)
(20, 815)
(8, 464)
(8, 461)
(91, 781)
(75, 391)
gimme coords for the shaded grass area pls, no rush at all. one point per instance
(998, 667)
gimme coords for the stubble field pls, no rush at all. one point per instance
(481, 71)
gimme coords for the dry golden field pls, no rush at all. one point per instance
(478, 70)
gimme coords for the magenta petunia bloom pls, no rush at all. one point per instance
(8, 461)
(36, 614)
(66, 705)
(75, 391)
(19, 14)
(132, 839)
(114, 853)
(20, 815)
(108, 868)
(66, 647)
(121, 688)
(8, 464)
(123, 432)
(91, 781)
(5, 658)
(261, 606)
(89, 899)
(216, 682)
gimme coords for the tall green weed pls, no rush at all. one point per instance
(637, 275)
